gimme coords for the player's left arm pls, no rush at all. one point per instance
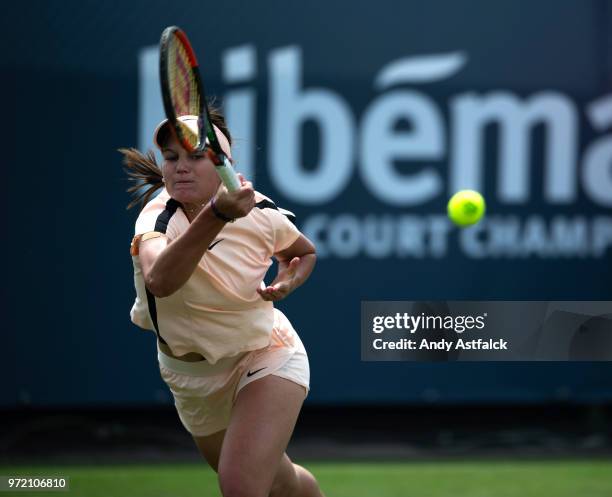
(295, 263)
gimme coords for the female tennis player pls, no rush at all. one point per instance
(234, 364)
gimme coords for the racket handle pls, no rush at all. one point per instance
(228, 175)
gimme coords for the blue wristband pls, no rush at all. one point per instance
(218, 213)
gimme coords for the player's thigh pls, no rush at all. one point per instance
(261, 425)
(210, 447)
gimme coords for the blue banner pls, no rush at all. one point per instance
(363, 120)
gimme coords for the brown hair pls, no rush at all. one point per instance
(143, 170)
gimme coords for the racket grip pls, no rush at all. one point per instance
(228, 175)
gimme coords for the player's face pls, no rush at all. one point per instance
(190, 178)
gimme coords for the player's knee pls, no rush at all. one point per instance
(286, 484)
(234, 483)
(308, 483)
(234, 487)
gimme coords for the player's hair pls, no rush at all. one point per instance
(143, 170)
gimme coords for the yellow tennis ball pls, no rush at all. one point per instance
(466, 207)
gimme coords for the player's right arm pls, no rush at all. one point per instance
(167, 265)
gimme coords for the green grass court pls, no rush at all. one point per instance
(530, 478)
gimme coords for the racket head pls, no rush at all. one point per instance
(181, 87)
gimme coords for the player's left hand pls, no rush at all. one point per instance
(283, 284)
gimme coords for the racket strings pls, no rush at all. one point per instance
(184, 91)
(180, 81)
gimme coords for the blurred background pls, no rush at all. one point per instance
(363, 119)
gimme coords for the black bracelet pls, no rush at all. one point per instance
(218, 213)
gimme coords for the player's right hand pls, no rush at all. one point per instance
(236, 204)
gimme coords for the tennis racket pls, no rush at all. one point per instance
(183, 94)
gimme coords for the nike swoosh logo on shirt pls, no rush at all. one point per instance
(210, 247)
(251, 373)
